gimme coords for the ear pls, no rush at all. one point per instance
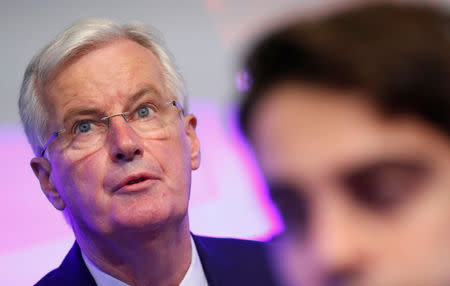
(42, 169)
(190, 122)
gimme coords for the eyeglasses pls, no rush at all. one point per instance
(149, 120)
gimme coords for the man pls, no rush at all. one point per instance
(105, 112)
(349, 118)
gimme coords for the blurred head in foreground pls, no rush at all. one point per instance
(349, 117)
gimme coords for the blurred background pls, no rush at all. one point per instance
(207, 38)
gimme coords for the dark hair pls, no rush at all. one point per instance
(398, 54)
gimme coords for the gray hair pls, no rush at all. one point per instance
(77, 40)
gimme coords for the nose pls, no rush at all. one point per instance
(125, 144)
(336, 240)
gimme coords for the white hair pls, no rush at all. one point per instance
(77, 40)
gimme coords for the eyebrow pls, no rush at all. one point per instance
(77, 111)
(73, 112)
(143, 92)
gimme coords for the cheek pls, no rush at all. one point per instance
(80, 182)
(427, 220)
(173, 157)
(173, 152)
(417, 239)
(294, 262)
(430, 235)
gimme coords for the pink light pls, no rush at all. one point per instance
(243, 81)
(258, 187)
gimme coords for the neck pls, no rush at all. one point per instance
(158, 258)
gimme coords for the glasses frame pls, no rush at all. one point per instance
(123, 114)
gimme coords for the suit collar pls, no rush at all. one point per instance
(73, 270)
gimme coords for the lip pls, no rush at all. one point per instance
(123, 185)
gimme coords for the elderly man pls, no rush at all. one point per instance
(104, 109)
(349, 118)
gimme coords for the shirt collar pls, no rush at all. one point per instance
(195, 275)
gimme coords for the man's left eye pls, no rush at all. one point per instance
(144, 112)
(386, 187)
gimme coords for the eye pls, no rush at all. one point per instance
(144, 112)
(292, 204)
(386, 187)
(83, 126)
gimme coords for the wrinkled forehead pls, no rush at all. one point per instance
(106, 77)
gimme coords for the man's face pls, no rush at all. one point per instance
(127, 182)
(365, 198)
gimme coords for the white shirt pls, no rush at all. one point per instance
(195, 276)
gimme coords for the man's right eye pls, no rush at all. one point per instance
(83, 127)
(292, 204)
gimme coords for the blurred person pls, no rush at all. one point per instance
(105, 111)
(349, 118)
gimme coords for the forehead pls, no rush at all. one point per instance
(105, 77)
(313, 132)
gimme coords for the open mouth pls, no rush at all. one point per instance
(135, 181)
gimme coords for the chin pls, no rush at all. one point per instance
(147, 218)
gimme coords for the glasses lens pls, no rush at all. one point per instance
(148, 119)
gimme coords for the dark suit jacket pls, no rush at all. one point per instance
(227, 262)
